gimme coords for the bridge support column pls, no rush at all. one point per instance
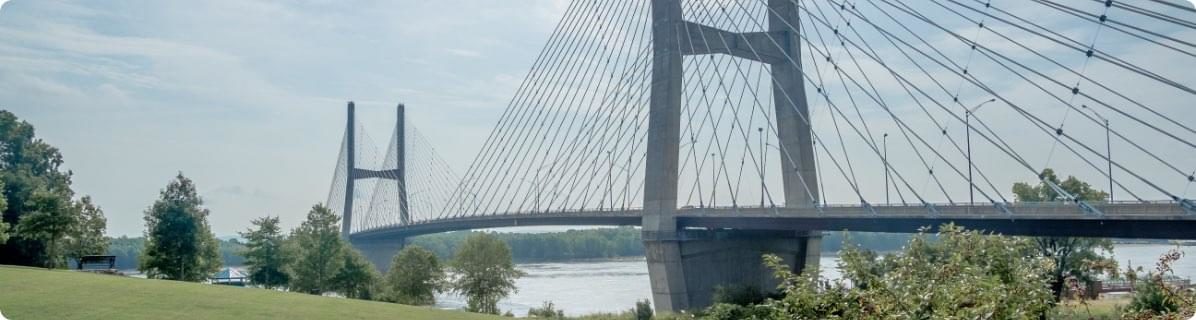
(379, 252)
(685, 266)
(692, 265)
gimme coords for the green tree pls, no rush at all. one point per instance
(357, 278)
(414, 278)
(265, 255)
(962, 275)
(179, 243)
(318, 251)
(87, 236)
(51, 219)
(1080, 258)
(3, 226)
(27, 164)
(485, 272)
(3, 232)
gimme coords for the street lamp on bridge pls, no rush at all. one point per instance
(763, 173)
(885, 141)
(1108, 147)
(967, 117)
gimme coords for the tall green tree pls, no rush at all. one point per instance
(3, 225)
(485, 272)
(87, 237)
(1081, 258)
(265, 255)
(415, 277)
(179, 243)
(27, 164)
(319, 252)
(51, 219)
(357, 278)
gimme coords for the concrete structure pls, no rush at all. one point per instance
(684, 267)
(379, 252)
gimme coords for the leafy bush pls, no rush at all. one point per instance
(726, 311)
(546, 311)
(1154, 298)
(963, 275)
(741, 295)
(643, 310)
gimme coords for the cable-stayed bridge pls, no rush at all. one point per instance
(731, 128)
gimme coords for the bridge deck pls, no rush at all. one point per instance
(1154, 220)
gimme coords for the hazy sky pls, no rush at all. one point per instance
(247, 97)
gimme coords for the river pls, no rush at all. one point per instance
(610, 286)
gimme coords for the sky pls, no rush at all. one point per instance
(247, 97)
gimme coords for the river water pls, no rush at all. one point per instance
(608, 286)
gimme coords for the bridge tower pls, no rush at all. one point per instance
(378, 252)
(685, 266)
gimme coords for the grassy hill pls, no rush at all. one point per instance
(29, 293)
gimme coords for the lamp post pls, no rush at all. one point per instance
(763, 154)
(625, 171)
(610, 179)
(1108, 147)
(535, 183)
(967, 119)
(536, 189)
(714, 180)
(885, 141)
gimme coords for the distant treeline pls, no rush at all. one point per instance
(620, 242)
(127, 250)
(572, 244)
(549, 246)
(875, 241)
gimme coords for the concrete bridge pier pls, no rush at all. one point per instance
(379, 251)
(687, 267)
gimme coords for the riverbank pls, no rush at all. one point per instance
(31, 293)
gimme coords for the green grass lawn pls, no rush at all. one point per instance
(1104, 308)
(29, 293)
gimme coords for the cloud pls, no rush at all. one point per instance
(464, 53)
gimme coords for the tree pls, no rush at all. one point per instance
(357, 278)
(485, 272)
(962, 275)
(1079, 258)
(265, 255)
(87, 236)
(318, 251)
(27, 164)
(3, 226)
(3, 232)
(179, 243)
(51, 219)
(414, 278)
